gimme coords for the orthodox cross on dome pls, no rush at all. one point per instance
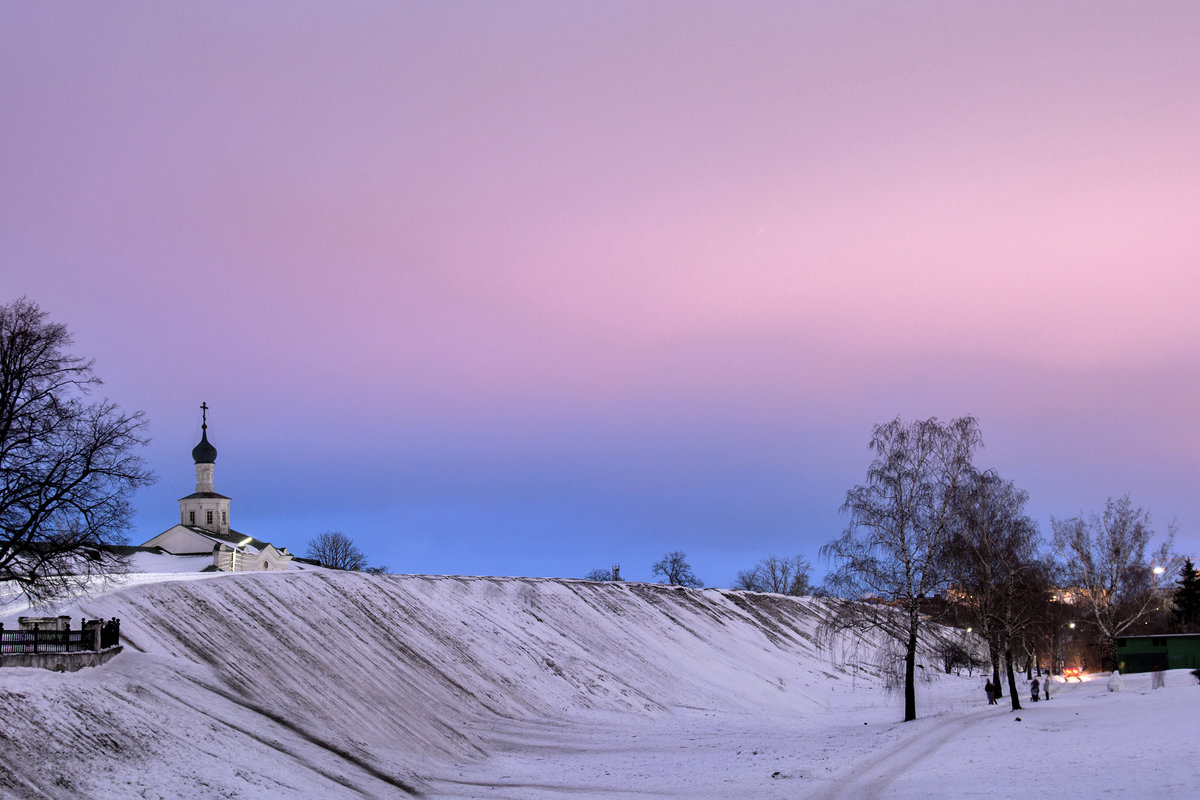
(204, 453)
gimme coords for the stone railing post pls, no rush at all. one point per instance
(91, 634)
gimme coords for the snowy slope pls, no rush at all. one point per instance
(315, 683)
(327, 685)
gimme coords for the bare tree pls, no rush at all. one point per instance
(777, 575)
(991, 560)
(676, 571)
(336, 550)
(956, 655)
(67, 466)
(887, 559)
(749, 580)
(1106, 564)
(602, 574)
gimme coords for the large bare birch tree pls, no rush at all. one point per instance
(887, 560)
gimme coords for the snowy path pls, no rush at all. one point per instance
(972, 754)
(925, 739)
(908, 755)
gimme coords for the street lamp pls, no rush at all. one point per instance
(233, 555)
(1058, 650)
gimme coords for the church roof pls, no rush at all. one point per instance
(204, 496)
(233, 538)
(204, 542)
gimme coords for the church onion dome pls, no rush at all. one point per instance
(204, 453)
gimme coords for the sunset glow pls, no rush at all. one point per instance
(538, 288)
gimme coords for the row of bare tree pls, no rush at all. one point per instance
(927, 523)
(772, 574)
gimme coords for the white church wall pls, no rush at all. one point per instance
(180, 540)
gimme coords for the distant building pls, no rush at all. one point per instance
(1158, 652)
(204, 523)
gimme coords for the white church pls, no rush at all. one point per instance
(203, 527)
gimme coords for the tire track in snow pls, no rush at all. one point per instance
(884, 769)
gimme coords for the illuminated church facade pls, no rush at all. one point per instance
(203, 526)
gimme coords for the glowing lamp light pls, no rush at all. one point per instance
(236, 547)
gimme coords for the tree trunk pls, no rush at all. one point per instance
(994, 653)
(910, 677)
(1012, 679)
(1110, 652)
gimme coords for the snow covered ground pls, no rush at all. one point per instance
(320, 684)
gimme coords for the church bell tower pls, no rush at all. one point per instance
(204, 508)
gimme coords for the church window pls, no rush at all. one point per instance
(192, 517)
(224, 519)
(208, 517)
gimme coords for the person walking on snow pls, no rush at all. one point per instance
(1033, 687)
(991, 693)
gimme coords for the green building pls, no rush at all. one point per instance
(1166, 651)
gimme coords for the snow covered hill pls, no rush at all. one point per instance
(324, 684)
(321, 684)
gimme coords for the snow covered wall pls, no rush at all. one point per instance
(329, 684)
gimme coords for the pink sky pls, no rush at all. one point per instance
(528, 288)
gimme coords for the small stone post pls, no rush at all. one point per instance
(91, 628)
